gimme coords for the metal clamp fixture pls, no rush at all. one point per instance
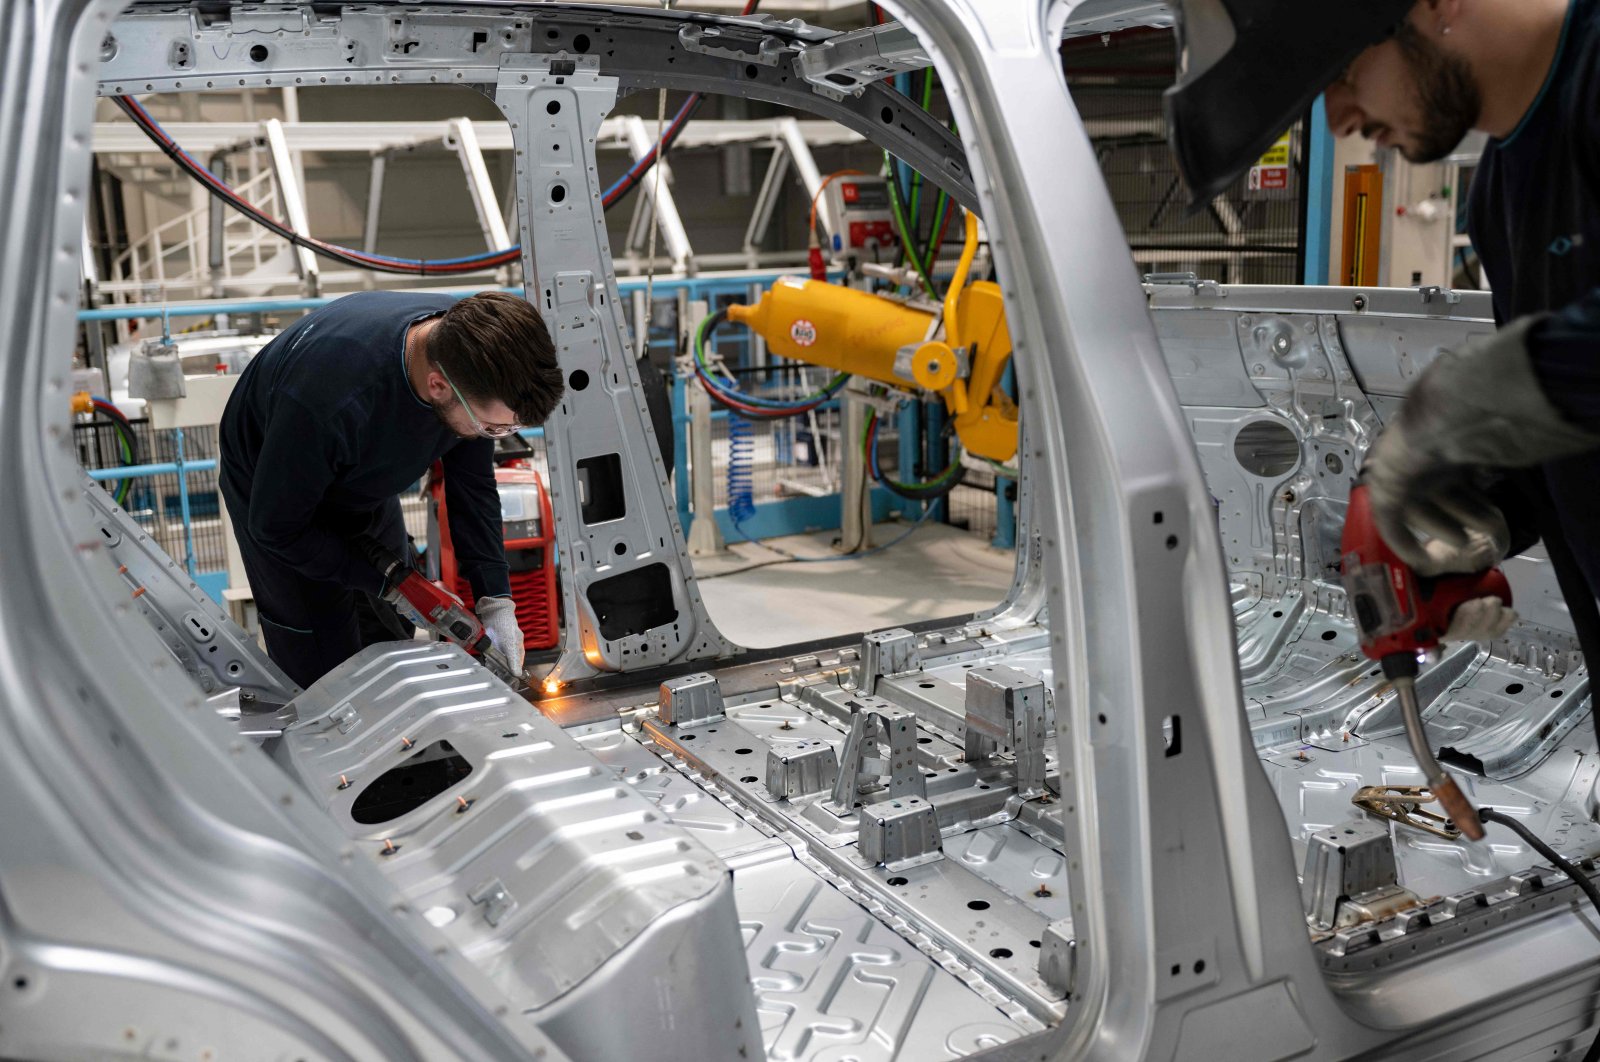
(885, 654)
(1006, 714)
(1350, 876)
(877, 721)
(1402, 804)
(691, 699)
(900, 833)
(801, 768)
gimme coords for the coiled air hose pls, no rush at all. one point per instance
(741, 472)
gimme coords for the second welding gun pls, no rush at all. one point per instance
(1397, 612)
(1398, 615)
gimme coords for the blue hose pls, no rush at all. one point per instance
(741, 461)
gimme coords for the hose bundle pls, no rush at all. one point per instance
(928, 491)
(728, 395)
(385, 263)
(127, 443)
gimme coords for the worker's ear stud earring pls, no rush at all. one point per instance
(1445, 30)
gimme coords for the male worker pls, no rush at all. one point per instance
(1509, 423)
(341, 412)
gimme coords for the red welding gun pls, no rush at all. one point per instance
(1398, 614)
(442, 612)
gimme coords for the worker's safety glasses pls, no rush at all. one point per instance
(487, 431)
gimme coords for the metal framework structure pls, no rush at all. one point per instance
(416, 866)
(201, 265)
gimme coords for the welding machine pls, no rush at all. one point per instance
(529, 537)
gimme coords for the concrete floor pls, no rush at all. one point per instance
(939, 571)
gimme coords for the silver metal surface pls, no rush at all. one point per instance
(900, 833)
(628, 589)
(536, 863)
(1349, 858)
(801, 768)
(690, 699)
(834, 981)
(885, 654)
(1006, 714)
(160, 875)
(166, 888)
(210, 648)
(851, 61)
(879, 755)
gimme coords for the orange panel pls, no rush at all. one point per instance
(1363, 226)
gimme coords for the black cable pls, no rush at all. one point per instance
(345, 255)
(1579, 878)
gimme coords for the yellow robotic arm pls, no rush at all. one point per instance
(960, 357)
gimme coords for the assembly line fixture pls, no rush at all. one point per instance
(117, 777)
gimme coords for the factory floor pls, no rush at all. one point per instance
(937, 572)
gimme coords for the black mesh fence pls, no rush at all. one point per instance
(157, 501)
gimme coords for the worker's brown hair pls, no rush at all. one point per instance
(496, 346)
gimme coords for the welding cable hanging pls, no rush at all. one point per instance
(346, 255)
(729, 396)
(906, 241)
(386, 263)
(911, 219)
(127, 441)
(361, 259)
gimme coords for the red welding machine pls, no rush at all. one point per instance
(529, 536)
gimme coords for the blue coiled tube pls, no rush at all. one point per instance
(741, 472)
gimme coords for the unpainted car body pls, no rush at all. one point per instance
(1056, 829)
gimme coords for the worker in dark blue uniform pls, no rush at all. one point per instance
(341, 412)
(1498, 442)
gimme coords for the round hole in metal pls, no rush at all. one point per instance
(1267, 448)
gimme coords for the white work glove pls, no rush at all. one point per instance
(499, 616)
(1481, 552)
(1480, 620)
(1479, 407)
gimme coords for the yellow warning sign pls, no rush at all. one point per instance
(1277, 154)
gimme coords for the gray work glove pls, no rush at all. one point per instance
(1479, 407)
(499, 616)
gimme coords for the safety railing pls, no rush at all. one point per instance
(176, 253)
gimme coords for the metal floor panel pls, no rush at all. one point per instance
(834, 983)
(1305, 685)
(833, 980)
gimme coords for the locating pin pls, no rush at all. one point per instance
(344, 783)
(406, 743)
(389, 848)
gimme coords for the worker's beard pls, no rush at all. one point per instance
(1447, 96)
(442, 411)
